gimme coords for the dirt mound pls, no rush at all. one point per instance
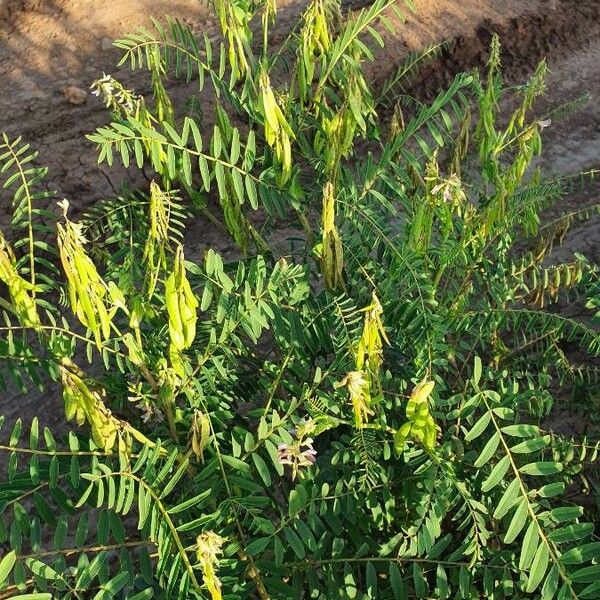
(11, 8)
(554, 32)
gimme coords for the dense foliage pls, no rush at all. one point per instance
(356, 409)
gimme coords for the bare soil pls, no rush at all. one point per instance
(51, 50)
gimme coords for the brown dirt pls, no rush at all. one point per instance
(51, 50)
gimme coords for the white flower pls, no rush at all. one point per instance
(113, 93)
(64, 206)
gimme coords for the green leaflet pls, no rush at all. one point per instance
(508, 499)
(538, 568)
(518, 521)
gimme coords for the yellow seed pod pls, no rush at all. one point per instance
(369, 350)
(181, 305)
(18, 288)
(332, 253)
(371, 342)
(73, 409)
(419, 395)
(234, 25)
(200, 434)
(421, 418)
(285, 156)
(176, 360)
(278, 132)
(188, 304)
(159, 212)
(322, 34)
(430, 435)
(270, 109)
(87, 291)
(136, 354)
(85, 405)
(315, 41)
(401, 436)
(172, 303)
(421, 425)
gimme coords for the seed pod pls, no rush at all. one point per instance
(401, 436)
(369, 350)
(234, 25)
(85, 405)
(430, 435)
(235, 220)
(176, 360)
(87, 290)
(136, 355)
(181, 308)
(419, 395)
(73, 410)
(322, 29)
(278, 133)
(271, 112)
(200, 434)
(189, 304)
(172, 303)
(157, 242)
(315, 41)
(332, 256)
(18, 288)
(421, 425)
(397, 125)
(136, 313)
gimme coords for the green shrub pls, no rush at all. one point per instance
(361, 415)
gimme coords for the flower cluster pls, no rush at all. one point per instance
(359, 390)
(298, 455)
(114, 94)
(209, 546)
(139, 398)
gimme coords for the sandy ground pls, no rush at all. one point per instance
(51, 50)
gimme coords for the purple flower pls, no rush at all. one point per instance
(298, 455)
